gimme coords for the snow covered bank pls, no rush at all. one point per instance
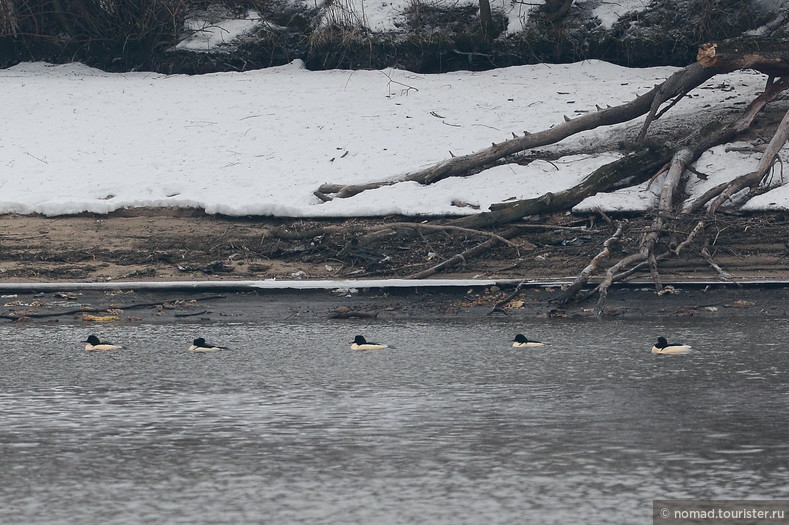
(260, 142)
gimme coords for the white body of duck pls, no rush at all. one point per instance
(520, 341)
(199, 345)
(360, 343)
(664, 347)
(93, 343)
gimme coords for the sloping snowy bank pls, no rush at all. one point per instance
(259, 143)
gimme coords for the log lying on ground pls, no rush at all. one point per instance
(645, 161)
(768, 56)
(638, 165)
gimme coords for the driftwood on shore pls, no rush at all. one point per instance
(647, 159)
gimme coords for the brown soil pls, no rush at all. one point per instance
(177, 244)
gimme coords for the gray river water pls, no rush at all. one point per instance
(451, 426)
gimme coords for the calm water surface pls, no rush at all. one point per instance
(451, 426)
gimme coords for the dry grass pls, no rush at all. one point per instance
(106, 21)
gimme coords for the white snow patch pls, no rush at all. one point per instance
(205, 35)
(261, 142)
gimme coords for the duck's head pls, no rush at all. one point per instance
(199, 341)
(360, 340)
(661, 342)
(92, 339)
(520, 338)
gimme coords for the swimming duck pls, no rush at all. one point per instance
(199, 345)
(520, 341)
(360, 343)
(93, 343)
(663, 347)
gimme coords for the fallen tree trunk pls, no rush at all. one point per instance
(764, 55)
(680, 82)
(648, 160)
(644, 161)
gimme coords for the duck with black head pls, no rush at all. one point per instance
(200, 345)
(360, 343)
(664, 347)
(521, 341)
(93, 343)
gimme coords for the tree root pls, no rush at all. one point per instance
(592, 268)
(646, 253)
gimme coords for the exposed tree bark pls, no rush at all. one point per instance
(705, 254)
(768, 55)
(689, 239)
(486, 20)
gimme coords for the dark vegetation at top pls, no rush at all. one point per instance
(123, 35)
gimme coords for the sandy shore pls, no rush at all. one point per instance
(122, 251)
(179, 244)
